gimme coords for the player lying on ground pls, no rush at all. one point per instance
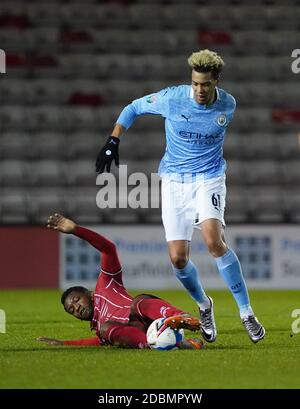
(117, 318)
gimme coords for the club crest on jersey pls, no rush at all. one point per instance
(152, 99)
(222, 120)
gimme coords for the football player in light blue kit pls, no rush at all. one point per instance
(193, 180)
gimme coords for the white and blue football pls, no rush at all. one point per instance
(163, 338)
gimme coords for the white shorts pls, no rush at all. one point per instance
(185, 205)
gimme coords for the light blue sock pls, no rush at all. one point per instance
(231, 272)
(190, 280)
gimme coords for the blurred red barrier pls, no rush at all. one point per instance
(29, 257)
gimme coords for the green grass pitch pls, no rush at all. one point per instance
(231, 362)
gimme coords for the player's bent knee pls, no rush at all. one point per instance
(179, 261)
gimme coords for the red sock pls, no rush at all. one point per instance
(154, 308)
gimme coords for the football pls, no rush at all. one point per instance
(163, 338)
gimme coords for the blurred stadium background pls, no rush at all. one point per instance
(71, 67)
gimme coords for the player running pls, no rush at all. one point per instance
(193, 180)
(117, 318)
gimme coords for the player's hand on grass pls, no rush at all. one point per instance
(108, 153)
(61, 223)
(50, 341)
(191, 343)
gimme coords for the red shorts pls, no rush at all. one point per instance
(146, 308)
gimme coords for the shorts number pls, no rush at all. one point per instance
(216, 201)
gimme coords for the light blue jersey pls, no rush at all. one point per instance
(194, 133)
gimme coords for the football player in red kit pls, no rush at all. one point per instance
(117, 318)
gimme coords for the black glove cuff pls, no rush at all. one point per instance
(114, 138)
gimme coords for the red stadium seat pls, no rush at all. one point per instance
(214, 37)
(76, 37)
(71, 69)
(286, 115)
(80, 98)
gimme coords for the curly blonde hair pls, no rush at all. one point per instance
(206, 61)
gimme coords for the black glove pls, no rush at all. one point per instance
(108, 153)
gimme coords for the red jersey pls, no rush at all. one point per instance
(111, 300)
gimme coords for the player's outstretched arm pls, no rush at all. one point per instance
(50, 341)
(109, 262)
(149, 104)
(61, 223)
